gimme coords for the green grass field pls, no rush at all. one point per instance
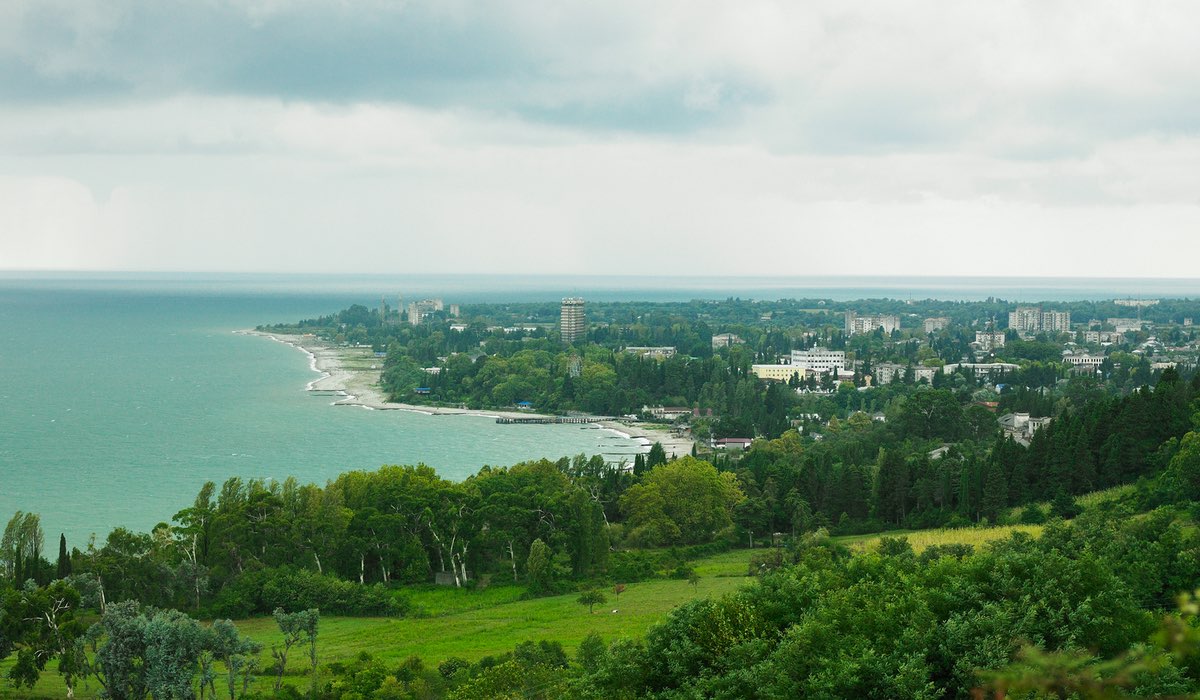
(472, 623)
(1095, 498)
(922, 539)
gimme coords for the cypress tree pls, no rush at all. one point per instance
(64, 559)
(964, 491)
(656, 456)
(995, 492)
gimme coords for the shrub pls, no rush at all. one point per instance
(260, 592)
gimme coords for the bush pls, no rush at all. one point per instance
(260, 592)
(633, 566)
(765, 561)
(452, 665)
(1033, 514)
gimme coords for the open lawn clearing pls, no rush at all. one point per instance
(470, 632)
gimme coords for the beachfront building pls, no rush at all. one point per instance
(819, 359)
(657, 353)
(856, 324)
(667, 412)
(572, 322)
(1032, 319)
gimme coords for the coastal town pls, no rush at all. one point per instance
(818, 349)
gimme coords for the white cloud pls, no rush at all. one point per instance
(705, 138)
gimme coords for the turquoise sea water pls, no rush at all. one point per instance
(120, 394)
(117, 405)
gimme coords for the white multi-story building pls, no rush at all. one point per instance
(856, 324)
(819, 359)
(989, 340)
(939, 323)
(572, 322)
(927, 373)
(1032, 319)
(1103, 337)
(418, 311)
(888, 372)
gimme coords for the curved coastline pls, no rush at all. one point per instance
(354, 374)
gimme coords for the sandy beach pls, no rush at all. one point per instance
(353, 375)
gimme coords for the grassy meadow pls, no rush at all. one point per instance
(923, 539)
(472, 623)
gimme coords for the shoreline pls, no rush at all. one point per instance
(353, 374)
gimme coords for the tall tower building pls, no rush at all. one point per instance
(572, 322)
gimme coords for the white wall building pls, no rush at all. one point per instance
(1085, 360)
(572, 321)
(989, 340)
(819, 359)
(856, 324)
(939, 323)
(888, 372)
(988, 369)
(1032, 319)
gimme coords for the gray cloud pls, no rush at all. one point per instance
(826, 76)
(418, 53)
(142, 134)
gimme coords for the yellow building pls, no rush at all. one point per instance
(777, 373)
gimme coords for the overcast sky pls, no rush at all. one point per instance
(663, 137)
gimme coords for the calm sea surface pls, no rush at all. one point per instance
(120, 395)
(117, 405)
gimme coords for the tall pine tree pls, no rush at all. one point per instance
(64, 559)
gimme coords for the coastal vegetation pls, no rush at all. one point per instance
(900, 543)
(909, 621)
